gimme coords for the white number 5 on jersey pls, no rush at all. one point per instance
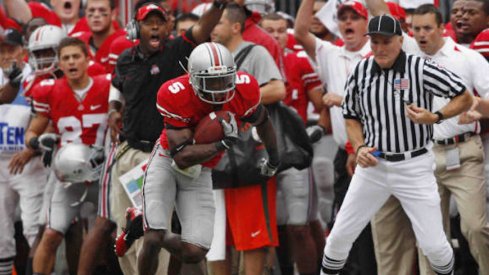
(176, 87)
(242, 79)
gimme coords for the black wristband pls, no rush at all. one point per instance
(360, 147)
(34, 143)
(440, 117)
(220, 146)
(219, 5)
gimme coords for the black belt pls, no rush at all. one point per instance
(402, 156)
(456, 139)
(142, 145)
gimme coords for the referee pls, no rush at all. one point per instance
(388, 116)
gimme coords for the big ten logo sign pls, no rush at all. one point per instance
(11, 138)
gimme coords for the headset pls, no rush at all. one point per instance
(132, 30)
(132, 27)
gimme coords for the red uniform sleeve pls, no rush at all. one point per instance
(309, 77)
(249, 94)
(41, 10)
(95, 69)
(172, 98)
(40, 96)
(481, 43)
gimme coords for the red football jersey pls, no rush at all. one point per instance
(102, 54)
(301, 78)
(78, 121)
(94, 69)
(120, 44)
(481, 43)
(181, 107)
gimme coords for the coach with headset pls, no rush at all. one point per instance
(139, 73)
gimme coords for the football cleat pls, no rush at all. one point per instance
(132, 231)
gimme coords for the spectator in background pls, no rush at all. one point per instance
(316, 27)
(100, 15)
(468, 18)
(184, 21)
(12, 64)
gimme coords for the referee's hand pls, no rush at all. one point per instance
(420, 115)
(365, 158)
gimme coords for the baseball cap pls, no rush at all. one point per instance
(396, 11)
(145, 10)
(12, 37)
(357, 7)
(385, 25)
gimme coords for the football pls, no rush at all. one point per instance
(209, 129)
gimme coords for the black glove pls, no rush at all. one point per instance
(315, 133)
(230, 130)
(267, 169)
(15, 75)
(47, 143)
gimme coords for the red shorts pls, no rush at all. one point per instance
(251, 216)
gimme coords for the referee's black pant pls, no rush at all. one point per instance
(362, 256)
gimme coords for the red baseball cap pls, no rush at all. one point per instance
(145, 10)
(357, 7)
(396, 11)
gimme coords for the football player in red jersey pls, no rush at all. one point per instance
(77, 105)
(43, 47)
(302, 225)
(179, 171)
(100, 14)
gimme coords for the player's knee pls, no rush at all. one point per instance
(193, 254)
(51, 239)
(154, 239)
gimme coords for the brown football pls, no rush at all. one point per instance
(209, 129)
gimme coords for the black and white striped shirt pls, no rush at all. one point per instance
(377, 98)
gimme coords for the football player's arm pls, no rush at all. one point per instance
(201, 31)
(116, 101)
(272, 92)
(8, 93)
(261, 120)
(301, 28)
(184, 152)
(18, 10)
(37, 126)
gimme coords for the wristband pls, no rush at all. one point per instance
(440, 117)
(360, 147)
(220, 146)
(219, 5)
(34, 143)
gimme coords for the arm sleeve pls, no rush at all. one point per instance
(441, 82)
(351, 108)
(309, 77)
(479, 74)
(170, 106)
(40, 97)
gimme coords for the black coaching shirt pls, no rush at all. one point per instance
(138, 78)
(377, 97)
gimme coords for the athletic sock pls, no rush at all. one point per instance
(6, 266)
